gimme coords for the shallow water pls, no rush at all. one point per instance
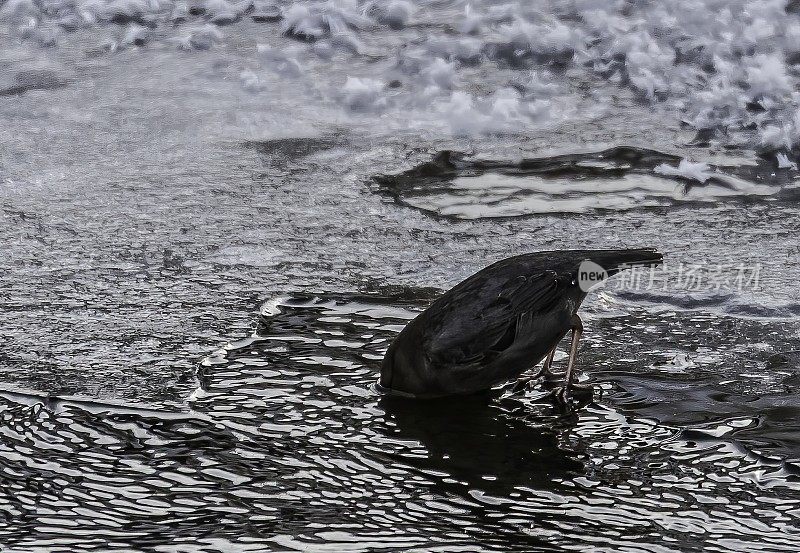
(208, 245)
(285, 444)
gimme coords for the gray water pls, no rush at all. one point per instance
(208, 250)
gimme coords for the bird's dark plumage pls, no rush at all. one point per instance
(496, 324)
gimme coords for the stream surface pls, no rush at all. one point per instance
(215, 217)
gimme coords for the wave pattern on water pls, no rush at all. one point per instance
(285, 445)
(621, 178)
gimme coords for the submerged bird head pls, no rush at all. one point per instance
(404, 368)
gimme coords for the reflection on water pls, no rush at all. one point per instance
(620, 178)
(285, 445)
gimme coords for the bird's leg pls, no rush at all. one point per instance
(548, 362)
(562, 394)
(577, 330)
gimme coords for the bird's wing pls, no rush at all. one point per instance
(477, 330)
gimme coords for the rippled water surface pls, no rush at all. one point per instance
(285, 444)
(621, 178)
(214, 217)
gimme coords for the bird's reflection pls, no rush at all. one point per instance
(481, 440)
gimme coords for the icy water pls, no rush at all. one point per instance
(216, 215)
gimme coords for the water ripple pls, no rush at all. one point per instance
(455, 185)
(286, 445)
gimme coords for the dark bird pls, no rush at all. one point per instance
(500, 322)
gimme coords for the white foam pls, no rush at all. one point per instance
(299, 21)
(198, 38)
(472, 22)
(440, 73)
(501, 111)
(466, 50)
(222, 12)
(135, 35)
(394, 13)
(784, 162)
(717, 64)
(547, 38)
(251, 81)
(767, 76)
(691, 170)
(363, 94)
(314, 21)
(18, 9)
(281, 61)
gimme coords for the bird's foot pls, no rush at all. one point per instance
(525, 382)
(521, 385)
(577, 396)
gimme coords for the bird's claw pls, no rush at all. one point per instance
(580, 396)
(525, 381)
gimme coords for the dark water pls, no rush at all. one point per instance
(285, 445)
